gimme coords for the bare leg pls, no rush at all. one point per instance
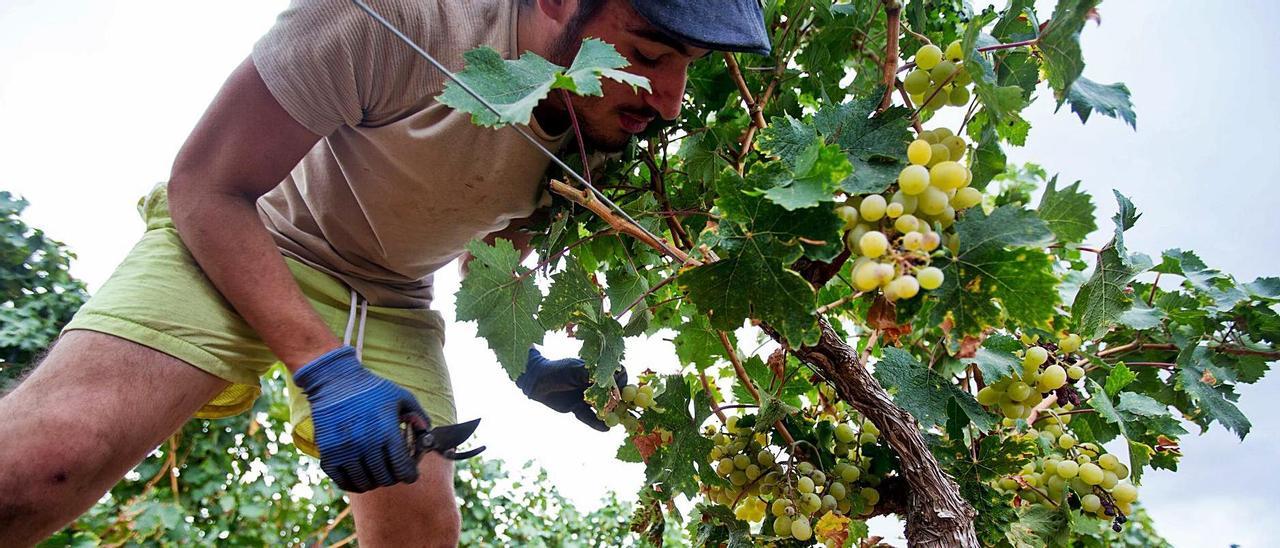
(94, 408)
(422, 513)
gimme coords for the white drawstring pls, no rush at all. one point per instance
(351, 323)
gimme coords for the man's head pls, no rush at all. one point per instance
(654, 51)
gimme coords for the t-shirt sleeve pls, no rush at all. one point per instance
(329, 64)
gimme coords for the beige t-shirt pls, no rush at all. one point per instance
(400, 183)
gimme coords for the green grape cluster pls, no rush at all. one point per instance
(1042, 373)
(635, 399)
(895, 237)
(1091, 479)
(764, 480)
(939, 78)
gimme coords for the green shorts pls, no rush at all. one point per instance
(159, 297)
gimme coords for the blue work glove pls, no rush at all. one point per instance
(562, 385)
(357, 418)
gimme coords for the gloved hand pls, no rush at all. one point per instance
(561, 385)
(357, 418)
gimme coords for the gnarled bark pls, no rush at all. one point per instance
(935, 513)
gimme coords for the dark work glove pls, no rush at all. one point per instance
(357, 419)
(562, 385)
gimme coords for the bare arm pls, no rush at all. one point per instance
(243, 146)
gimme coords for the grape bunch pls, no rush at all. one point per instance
(1016, 396)
(939, 78)
(894, 238)
(764, 480)
(635, 399)
(1094, 480)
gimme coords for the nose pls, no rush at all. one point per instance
(667, 93)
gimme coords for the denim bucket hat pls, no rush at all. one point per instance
(722, 25)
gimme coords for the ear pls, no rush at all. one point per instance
(560, 11)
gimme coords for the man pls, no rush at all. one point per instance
(316, 196)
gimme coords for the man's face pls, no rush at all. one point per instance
(609, 121)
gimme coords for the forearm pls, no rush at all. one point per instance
(234, 249)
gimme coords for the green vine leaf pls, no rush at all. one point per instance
(1067, 212)
(514, 87)
(1060, 43)
(925, 393)
(1112, 100)
(876, 145)
(500, 296)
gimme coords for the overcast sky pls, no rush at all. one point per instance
(96, 97)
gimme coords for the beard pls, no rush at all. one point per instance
(597, 120)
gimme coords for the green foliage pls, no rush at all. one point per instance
(38, 294)
(775, 217)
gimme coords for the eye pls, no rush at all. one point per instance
(643, 59)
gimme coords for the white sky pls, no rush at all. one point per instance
(96, 98)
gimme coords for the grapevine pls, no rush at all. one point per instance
(931, 342)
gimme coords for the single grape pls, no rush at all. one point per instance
(948, 175)
(1018, 391)
(752, 471)
(1109, 479)
(868, 438)
(1068, 469)
(805, 484)
(954, 51)
(931, 240)
(913, 179)
(845, 433)
(929, 136)
(810, 503)
(906, 224)
(1108, 461)
(1091, 473)
(873, 244)
(916, 81)
(909, 203)
(955, 146)
(725, 466)
(942, 71)
(1012, 410)
(611, 419)
(959, 95)
(738, 478)
(866, 276)
(870, 495)
(741, 462)
(1036, 356)
(928, 56)
(894, 210)
(838, 490)
(849, 215)
(933, 201)
(1069, 343)
(907, 286)
(938, 153)
(930, 277)
(1121, 470)
(912, 241)
(648, 391)
(629, 393)
(818, 477)
(942, 133)
(989, 395)
(644, 400)
(765, 458)
(966, 198)
(829, 502)
(850, 474)
(918, 152)
(800, 529)
(1066, 441)
(1090, 503)
(782, 526)
(1052, 378)
(872, 208)
(780, 505)
(936, 98)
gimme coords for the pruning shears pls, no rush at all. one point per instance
(441, 439)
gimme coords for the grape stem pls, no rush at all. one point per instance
(752, 108)
(1046, 403)
(747, 383)
(893, 11)
(648, 292)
